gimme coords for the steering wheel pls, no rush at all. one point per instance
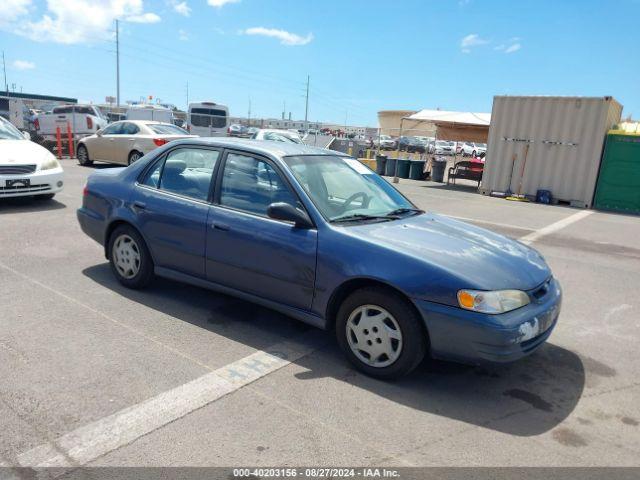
(365, 201)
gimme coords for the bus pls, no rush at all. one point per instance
(207, 119)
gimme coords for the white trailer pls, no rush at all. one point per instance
(156, 113)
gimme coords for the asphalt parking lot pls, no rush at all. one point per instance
(94, 374)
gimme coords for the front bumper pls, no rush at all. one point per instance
(41, 182)
(471, 337)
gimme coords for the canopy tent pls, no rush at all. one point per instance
(456, 126)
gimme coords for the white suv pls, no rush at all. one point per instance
(473, 149)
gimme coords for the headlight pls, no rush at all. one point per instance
(500, 301)
(49, 164)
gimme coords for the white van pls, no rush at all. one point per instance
(155, 113)
(208, 119)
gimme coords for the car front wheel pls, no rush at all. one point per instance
(83, 156)
(380, 333)
(129, 258)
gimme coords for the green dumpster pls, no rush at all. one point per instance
(416, 169)
(403, 167)
(381, 162)
(618, 185)
(390, 167)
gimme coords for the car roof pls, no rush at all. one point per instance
(143, 122)
(264, 147)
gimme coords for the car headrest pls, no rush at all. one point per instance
(175, 166)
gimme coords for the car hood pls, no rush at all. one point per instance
(22, 152)
(479, 258)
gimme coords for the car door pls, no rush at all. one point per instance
(250, 252)
(125, 142)
(171, 201)
(100, 146)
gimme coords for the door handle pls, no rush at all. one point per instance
(139, 205)
(220, 226)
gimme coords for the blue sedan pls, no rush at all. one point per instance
(320, 237)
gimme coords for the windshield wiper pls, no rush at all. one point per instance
(400, 211)
(362, 216)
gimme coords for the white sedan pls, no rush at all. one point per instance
(127, 141)
(275, 135)
(26, 168)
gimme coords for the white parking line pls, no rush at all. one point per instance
(554, 227)
(488, 222)
(91, 441)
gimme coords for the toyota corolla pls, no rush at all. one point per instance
(320, 237)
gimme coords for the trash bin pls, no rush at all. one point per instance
(381, 161)
(390, 167)
(438, 165)
(416, 169)
(403, 167)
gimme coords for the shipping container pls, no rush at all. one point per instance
(548, 143)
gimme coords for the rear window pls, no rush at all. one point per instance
(167, 129)
(63, 110)
(208, 117)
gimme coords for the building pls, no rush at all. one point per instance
(389, 123)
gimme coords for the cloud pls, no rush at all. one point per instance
(499, 47)
(143, 18)
(221, 3)
(181, 8)
(23, 65)
(70, 21)
(513, 48)
(10, 10)
(286, 38)
(472, 40)
(183, 35)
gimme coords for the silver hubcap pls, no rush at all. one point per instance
(134, 157)
(126, 256)
(82, 154)
(374, 336)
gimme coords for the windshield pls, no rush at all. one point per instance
(342, 187)
(167, 129)
(8, 131)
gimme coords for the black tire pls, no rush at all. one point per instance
(83, 156)
(414, 337)
(134, 157)
(144, 273)
(473, 154)
(46, 196)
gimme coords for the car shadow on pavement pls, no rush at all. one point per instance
(525, 398)
(471, 187)
(28, 204)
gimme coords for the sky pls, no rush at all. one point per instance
(361, 56)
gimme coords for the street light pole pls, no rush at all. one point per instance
(306, 109)
(117, 65)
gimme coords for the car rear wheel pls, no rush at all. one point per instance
(380, 333)
(83, 156)
(129, 258)
(134, 157)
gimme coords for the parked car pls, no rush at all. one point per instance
(411, 144)
(207, 119)
(83, 120)
(277, 135)
(473, 149)
(320, 237)
(26, 168)
(388, 143)
(237, 130)
(442, 147)
(127, 141)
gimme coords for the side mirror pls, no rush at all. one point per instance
(288, 213)
(26, 135)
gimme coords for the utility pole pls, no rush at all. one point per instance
(306, 108)
(187, 109)
(117, 65)
(4, 67)
(284, 109)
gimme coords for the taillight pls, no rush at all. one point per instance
(85, 191)
(36, 124)
(159, 141)
(89, 123)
